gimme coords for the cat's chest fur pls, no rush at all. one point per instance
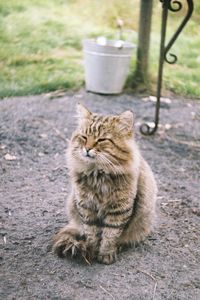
(97, 188)
(97, 182)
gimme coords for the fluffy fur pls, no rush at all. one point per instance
(113, 195)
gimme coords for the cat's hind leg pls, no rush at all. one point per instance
(144, 211)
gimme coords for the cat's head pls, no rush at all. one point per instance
(102, 141)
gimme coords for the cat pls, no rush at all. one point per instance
(113, 195)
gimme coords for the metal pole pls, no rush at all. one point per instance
(174, 6)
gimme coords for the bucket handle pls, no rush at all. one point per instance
(130, 35)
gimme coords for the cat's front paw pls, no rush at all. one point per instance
(107, 258)
(69, 241)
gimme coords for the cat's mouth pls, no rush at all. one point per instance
(88, 158)
(88, 155)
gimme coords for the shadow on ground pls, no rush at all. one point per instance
(34, 187)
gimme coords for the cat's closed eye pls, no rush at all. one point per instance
(102, 140)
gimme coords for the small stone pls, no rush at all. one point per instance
(2, 147)
(41, 154)
(168, 126)
(44, 135)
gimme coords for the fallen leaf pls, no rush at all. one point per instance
(78, 96)
(145, 99)
(152, 98)
(166, 100)
(10, 157)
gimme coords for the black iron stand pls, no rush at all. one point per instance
(174, 6)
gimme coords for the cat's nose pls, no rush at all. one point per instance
(89, 152)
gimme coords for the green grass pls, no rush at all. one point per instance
(41, 47)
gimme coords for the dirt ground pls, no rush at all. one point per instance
(34, 187)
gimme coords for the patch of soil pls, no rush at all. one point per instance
(34, 188)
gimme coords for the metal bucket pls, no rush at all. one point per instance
(106, 66)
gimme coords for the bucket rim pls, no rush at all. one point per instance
(126, 45)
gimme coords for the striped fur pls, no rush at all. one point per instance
(113, 195)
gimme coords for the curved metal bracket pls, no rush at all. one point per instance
(180, 28)
(174, 6)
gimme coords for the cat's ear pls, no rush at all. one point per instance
(83, 113)
(126, 122)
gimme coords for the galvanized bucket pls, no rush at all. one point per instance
(106, 65)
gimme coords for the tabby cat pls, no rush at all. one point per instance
(113, 195)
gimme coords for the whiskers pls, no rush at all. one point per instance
(114, 167)
(102, 160)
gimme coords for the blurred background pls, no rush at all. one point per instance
(41, 44)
